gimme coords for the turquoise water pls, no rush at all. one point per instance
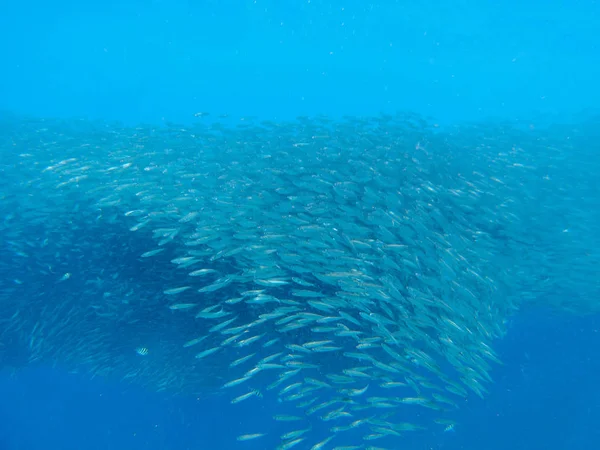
(506, 90)
(152, 61)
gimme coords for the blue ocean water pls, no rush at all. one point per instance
(152, 60)
(162, 61)
(545, 397)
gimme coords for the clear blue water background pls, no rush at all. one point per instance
(156, 60)
(146, 60)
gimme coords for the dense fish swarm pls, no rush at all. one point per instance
(354, 270)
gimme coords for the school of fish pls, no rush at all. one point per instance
(356, 271)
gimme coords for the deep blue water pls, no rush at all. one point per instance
(545, 396)
(166, 60)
